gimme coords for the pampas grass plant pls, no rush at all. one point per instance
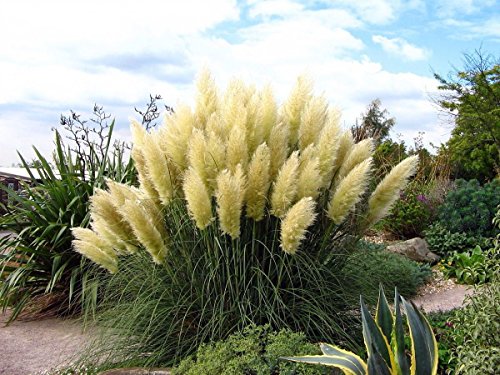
(228, 222)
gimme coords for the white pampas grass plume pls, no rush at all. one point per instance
(196, 153)
(104, 206)
(291, 111)
(230, 196)
(328, 144)
(147, 225)
(160, 173)
(357, 154)
(309, 180)
(285, 186)
(312, 121)
(198, 199)
(206, 99)
(258, 182)
(120, 245)
(346, 142)
(90, 245)
(215, 158)
(294, 225)
(237, 148)
(349, 192)
(387, 191)
(266, 116)
(278, 145)
(175, 133)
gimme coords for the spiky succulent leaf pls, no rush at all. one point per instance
(374, 338)
(424, 356)
(384, 315)
(377, 365)
(398, 337)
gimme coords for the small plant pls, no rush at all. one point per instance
(444, 329)
(256, 350)
(384, 339)
(472, 267)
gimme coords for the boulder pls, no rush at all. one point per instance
(415, 249)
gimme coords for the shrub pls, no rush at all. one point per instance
(411, 214)
(256, 350)
(228, 224)
(475, 338)
(470, 208)
(39, 258)
(372, 265)
(442, 325)
(445, 243)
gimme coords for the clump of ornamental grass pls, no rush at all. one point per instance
(246, 213)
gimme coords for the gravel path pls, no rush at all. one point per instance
(443, 300)
(30, 347)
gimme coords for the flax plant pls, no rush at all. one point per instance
(251, 223)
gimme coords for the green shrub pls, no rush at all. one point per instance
(445, 243)
(470, 208)
(256, 350)
(39, 258)
(475, 339)
(372, 265)
(442, 326)
(412, 213)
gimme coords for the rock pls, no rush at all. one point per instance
(415, 249)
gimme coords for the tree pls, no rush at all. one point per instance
(472, 97)
(374, 124)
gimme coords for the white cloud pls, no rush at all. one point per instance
(459, 8)
(400, 47)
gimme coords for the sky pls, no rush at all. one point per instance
(57, 56)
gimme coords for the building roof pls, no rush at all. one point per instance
(18, 172)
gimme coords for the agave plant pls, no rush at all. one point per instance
(384, 338)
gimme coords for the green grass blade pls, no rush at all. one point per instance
(383, 316)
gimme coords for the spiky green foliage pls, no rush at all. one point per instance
(38, 257)
(230, 255)
(384, 339)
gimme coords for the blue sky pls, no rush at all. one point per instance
(58, 55)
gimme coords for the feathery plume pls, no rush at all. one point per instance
(237, 149)
(104, 206)
(294, 225)
(293, 107)
(285, 186)
(387, 191)
(328, 144)
(120, 245)
(161, 175)
(175, 133)
(91, 246)
(357, 154)
(258, 182)
(346, 142)
(198, 199)
(147, 227)
(267, 115)
(312, 121)
(206, 100)
(309, 181)
(196, 153)
(349, 192)
(215, 158)
(230, 194)
(278, 145)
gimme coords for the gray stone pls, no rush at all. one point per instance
(415, 249)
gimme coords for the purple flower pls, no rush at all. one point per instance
(422, 198)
